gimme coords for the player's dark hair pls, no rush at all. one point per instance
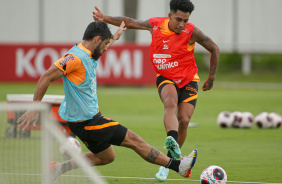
(182, 5)
(97, 29)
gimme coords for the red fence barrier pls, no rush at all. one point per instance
(127, 64)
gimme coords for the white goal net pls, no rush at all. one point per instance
(25, 154)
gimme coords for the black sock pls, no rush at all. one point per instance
(173, 134)
(173, 164)
(66, 167)
(168, 154)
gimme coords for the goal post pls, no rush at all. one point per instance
(25, 159)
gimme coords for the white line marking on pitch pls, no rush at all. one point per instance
(116, 177)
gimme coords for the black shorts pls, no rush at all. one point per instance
(187, 94)
(98, 133)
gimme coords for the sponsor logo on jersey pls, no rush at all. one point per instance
(93, 86)
(164, 66)
(66, 60)
(160, 61)
(161, 56)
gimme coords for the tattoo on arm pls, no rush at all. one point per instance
(153, 155)
(204, 40)
(208, 44)
(116, 18)
(132, 23)
(147, 24)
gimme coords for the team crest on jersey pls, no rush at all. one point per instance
(185, 31)
(66, 60)
(165, 46)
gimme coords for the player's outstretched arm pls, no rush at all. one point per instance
(129, 22)
(209, 45)
(118, 34)
(31, 117)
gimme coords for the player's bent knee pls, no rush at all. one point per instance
(108, 160)
(183, 122)
(170, 103)
(104, 157)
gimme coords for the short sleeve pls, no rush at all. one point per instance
(69, 63)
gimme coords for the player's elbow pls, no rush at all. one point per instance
(45, 79)
(216, 49)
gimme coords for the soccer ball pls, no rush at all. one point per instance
(262, 120)
(247, 120)
(275, 120)
(72, 144)
(225, 119)
(237, 119)
(213, 175)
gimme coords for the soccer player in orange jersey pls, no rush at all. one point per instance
(172, 57)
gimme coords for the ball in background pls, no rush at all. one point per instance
(247, 120)
(225, 119)
(213, 175)
(262, 120)
(72, 144)
(275, 120)
(237, 119)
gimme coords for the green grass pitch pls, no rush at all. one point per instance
(247, 155)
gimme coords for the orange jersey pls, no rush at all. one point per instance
(170, 53)
(73, 67)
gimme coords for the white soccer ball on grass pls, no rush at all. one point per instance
(225, 119)
(247, 120)
(213, 175)
(237, 119)
(275, 120)
(262, 120)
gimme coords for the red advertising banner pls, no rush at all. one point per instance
(127, 64)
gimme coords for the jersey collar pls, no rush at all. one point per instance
(85, 49)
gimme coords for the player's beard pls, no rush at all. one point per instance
(96, 54)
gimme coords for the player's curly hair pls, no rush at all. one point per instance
(182, 5)
(97, 29)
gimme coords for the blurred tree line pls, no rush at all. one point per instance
(233, 62)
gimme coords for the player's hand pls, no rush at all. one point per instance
(120, 30)
(208, 84)
(98, 16)
(27, 118)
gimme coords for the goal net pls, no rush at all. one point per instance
(25, 154)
